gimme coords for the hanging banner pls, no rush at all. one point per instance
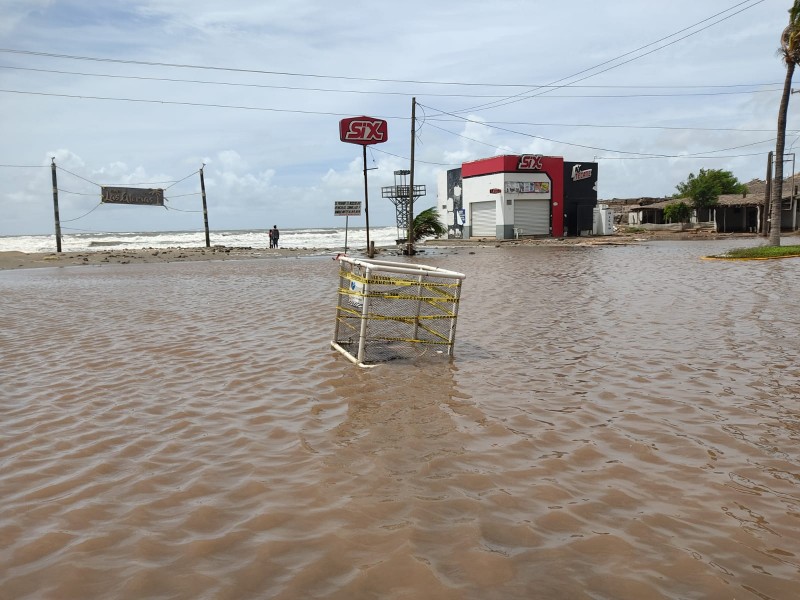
(123, 195)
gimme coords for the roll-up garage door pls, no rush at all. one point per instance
(532, 217)
(482, 219)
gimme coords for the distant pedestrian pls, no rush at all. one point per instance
(275, 236)
(271, 241)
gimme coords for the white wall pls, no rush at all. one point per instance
(476, 189)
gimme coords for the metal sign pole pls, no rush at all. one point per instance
(366, 201)
(346, 221)
(364, 131)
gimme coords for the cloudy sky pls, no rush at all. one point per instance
(146, 92)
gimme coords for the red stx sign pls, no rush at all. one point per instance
(363, 130)
(530, 162)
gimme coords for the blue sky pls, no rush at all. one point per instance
(261, 88)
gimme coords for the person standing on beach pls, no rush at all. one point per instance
(271, 238)
(275, 235)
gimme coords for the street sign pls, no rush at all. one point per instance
(346, 209)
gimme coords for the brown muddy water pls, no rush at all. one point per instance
(617, 422)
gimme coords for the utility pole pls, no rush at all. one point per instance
(767, 196)
(55, 204)
(205, 208)
(410, 239)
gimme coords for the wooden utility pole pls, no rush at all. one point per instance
(410, 240)
(205, 208)
(55, 204)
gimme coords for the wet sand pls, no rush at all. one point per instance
(619, 421)
(23, 260)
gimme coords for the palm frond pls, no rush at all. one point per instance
(427, 224)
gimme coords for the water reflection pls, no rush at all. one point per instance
(617, 422)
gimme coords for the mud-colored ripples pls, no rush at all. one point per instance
(618, 422)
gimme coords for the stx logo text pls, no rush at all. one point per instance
(363, 130)
(530, 162)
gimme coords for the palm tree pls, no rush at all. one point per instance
(427, 223)
(790, 52)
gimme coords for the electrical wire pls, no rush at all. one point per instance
(234, 70)
(181, 210)
(429, 94)
(83, 215)
(426, 162)
(517, 98)
(675, 156)
(183, 179)
(443, 83)
(76, 193)
(176, 103)
(26, 166)
(667, 128)
(182, 195)
(78, 176)
(539, 137)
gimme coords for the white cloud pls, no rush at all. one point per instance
(274, 152)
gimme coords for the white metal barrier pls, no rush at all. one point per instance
(388, 310)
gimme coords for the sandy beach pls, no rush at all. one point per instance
(619, 421)
(22, 260)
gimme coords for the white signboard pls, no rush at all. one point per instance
(347, 209)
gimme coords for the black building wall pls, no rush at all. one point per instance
(580, 196)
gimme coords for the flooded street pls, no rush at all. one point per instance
(617, 422)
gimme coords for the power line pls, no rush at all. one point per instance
(177, 103)
(519, 97)
(456, 118)
(641, 154)
(78, 176)
(427, 162)
(127, 184)
(83, 215)
(676, 156)
(346, 78)
(539, 137)
(76, 193)
(240, 70)
(459, 119)
(181, 210)
(183, 179)
(408, 94)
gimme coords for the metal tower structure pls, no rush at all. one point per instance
(400, 195)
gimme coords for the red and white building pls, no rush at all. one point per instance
(509, 196)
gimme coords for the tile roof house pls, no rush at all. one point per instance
(732, 213)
